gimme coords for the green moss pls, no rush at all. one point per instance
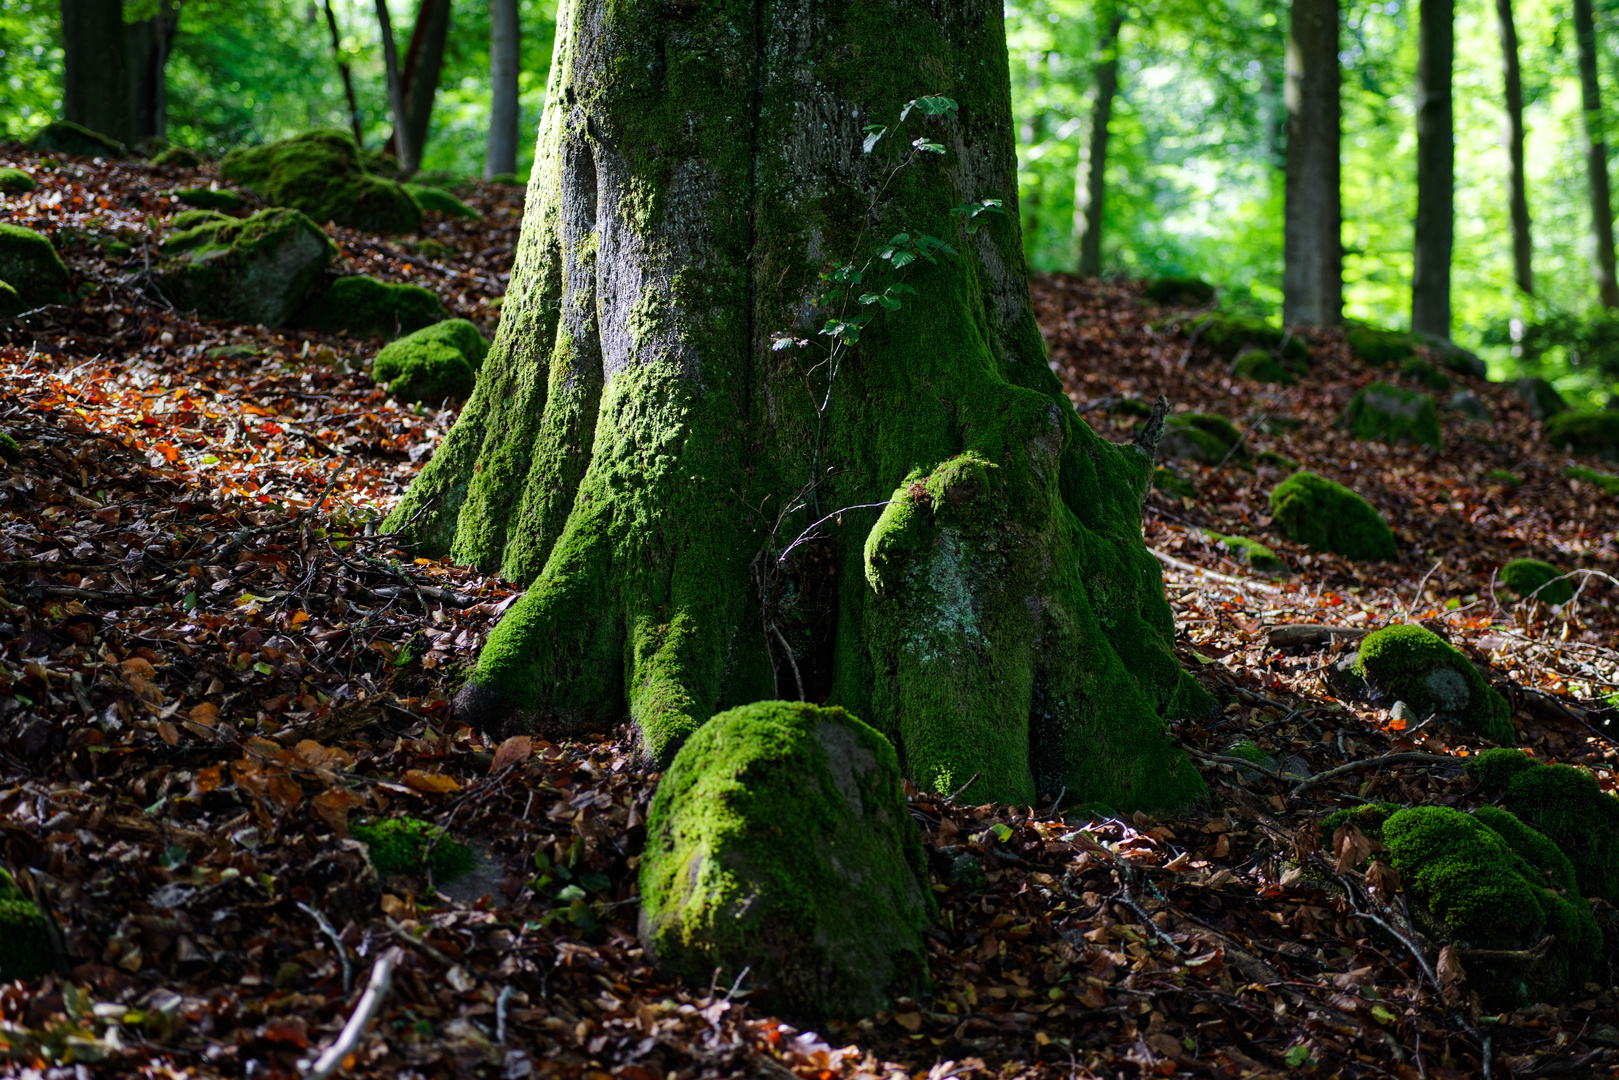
(210, 198)
(1326, 516)
(1566, 804)
(363, 305)
(66, 137)
(176, 157)
(1380, 348)
(1171, 482)
(397, 845)
(1230, 335)
(1258, 365)
(1531, 577)
(11, 304)
(780, 839)
(30, 265)
(320, 173)
(1131, 407)
(260, 269)
(9, 450)
(1590, 432)
(434, 363)
(1276, 460)
(1412, 664)
(15, 181)
(1482, 879)
(1367, 817)
(1385, 412)
(1419, 370)
(1605, 482)
(1503, 476)
(1180, 290)
(1203, 437)
(1249, 751)
(1256, 555)
(25, 946)
(442, 202)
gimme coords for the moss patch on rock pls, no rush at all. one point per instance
(1566, 804)
(15, 181)
(398, 846)
(1203, 437)
(1179, 289)
(1604, 481)
(31, 266)
(363, 305)
(442, 202)
(1230, 335)
(321, 174)
(1252, 553)
(76, 140)
(25, 946)
(1542, 580)
(1387, 413)
(1414, 665)
(1379, 348)
(1276, 460)
(434, 363)
(260, 269)
(1171, 482)
(176, 157)
(780, 839)
(210, 198)
(1419, 370)
(9, 450)
(1258, 365)
(1588, 432)
(1312, 510)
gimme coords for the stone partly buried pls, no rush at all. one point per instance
(1202, 437)
(1414, 665)
(322, 174)
(1392, 415)
(433, 364)
(1327, 516)
(31, 273)
(779, 842)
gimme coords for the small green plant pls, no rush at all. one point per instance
(399, 845)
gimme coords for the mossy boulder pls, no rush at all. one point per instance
(1541, 396)
(1179, 289)
(31, 266)
(321, 174)
(176, 157)
(434, 363)
(780, 840)
(439, 201)
(1588, 432)
(1542, 580)
(1379, 348)
(1258, 365)
(1392, 415)
(1452, 356)
(1277, 460)
(1414, 665)
(1470, 405)
(1487, 881)
(1312, 510)
(399, 846)
(1566, 804)
(363, 305)
(1203, 437)
(25, 944)
(1230, 335)
(15, 181)
(1252, 553)
(210, 199)
(1421, 371)
(262, 269)
(1173, 483)
(76, 140)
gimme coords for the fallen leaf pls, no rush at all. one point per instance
(426, 783)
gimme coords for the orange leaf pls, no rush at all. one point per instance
(513, 751)
(137, 665)
(206, 714)
(286, 791)
(208, 779)
(430, 783)
(332, 807)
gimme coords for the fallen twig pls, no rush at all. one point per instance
(349, 1038)
(1404, 757)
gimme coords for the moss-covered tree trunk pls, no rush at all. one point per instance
(642, 451)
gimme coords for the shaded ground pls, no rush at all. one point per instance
(210, 666)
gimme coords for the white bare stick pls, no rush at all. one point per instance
(353, 1031)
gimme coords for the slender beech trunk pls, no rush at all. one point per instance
(659, 405)
(95, 77)
(1436, 170)
(147, 44)
(1523, 248)
(404, 152)
(505, 56)
(424, 63)
(1090, 190)
(1596, 153)
(348, 76)
(1313, 262)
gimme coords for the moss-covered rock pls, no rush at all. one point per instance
(437, 362)
(1179, 289)
(1258, 365)
(1421, 371)
(1487, 882)
(11, 304)
(363, 305)
(439, 201)
(1565, 803)
(1470, 405)
(176, 157)
(1542, 580)
(1387, 413)
(1379, 348)
(1327, 516)
(1171, 482)
(1252, 553)
(1203, 437)
(76, 140)
(1414, 665)
(1230, 335)
(25, 945)
(31, 266)
(780, 840)
(1276, 460)
(1452, 356)
(1589, 432)
(261, 269)
(210, 198)
(15, 181)
(321, 174)
(1541, 396)
(397, 846)
(1604, 481)
(9, 450)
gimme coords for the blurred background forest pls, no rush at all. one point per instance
(1195, 162)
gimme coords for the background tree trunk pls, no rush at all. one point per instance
(1596, 154)
(505, 56)
(404, 151)
(95, 79)
(348, 76)
(1091, 190)
(424, 62)
(661, 409)
(1313, 265)
(147, 45)
(1436, 170)
(1523, 249)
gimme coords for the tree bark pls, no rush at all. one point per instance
(95, 75)
(147, 44)
(348, 76)
(1312, 276)
(1523, 248)
(424, 63)
(1596, 154)
(404, 152)
(504, 60)
(675, 384)
(1090, 190)
(1436, 170)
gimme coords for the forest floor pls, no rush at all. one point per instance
(210, 665)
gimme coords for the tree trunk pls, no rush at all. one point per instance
(1091, 190)
(1517, 187)
(681, 378)
(424, 62)
(402, 147)
(1436, 170)
(1596, 153)
(348, 76)
(504, 59)
(95, 76)
(1313, 262)
(147, 45)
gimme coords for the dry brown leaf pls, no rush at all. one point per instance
(514, 751)
(332, 807)
(1351, 845)
(205, 713)
(1452, 976)
(427, 783)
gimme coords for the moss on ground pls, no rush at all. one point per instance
(31, 266)
(1380, 348)
(1588, 432)
(1258, 365)
(176, 157)
(1412, 664)
(1327, 516)
(76, 140)
(210, 198)
(1566, 804)
(436, 362)
(9, 450)
(1171, 482)
(262, 269)
(1180, 290)
(1367, 817)
(1531, 577)
(1420, 371)
(320, 173)
(1252, 553)
(442, 202)
(363, 305)
(1203, 437)
(397, 846)
(15, 181)
(1389, 414)
(780, 839)
(1604, 481)
(1276, 460)
(25, 945)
